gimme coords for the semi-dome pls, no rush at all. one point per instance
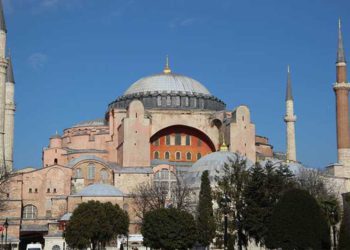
(214, 164)
(168, 83)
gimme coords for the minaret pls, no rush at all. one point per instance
(9, 116)
(290, 119)
(3, 66)
(341, 89)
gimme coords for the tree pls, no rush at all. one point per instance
(297, 222)
(231, 181)
(150, 196)
(94, 224)
(168, 228)
(344, 234)
(205, 214)
(325, 193)
(264, 188)
(5, 183)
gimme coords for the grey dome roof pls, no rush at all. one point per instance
(99, 190)
(167, 82)
(214, 163)
(91, 123)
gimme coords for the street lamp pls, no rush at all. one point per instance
(224, 201)
(2, 239)
(6, 225)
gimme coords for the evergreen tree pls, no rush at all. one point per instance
(94, 224)
(297, 222)
(205, 213)
(344, 234)
(265, 186)
(168, 228)
(231, 181)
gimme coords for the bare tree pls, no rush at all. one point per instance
(4, 189)
(150, 196)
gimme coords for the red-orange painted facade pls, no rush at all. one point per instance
(193, 142)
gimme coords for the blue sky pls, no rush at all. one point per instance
(73, 57)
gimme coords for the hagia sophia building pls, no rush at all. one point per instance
(162, 124)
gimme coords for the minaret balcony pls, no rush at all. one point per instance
(290, 118)
(341, 85)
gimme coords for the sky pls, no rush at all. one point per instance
(72, 58)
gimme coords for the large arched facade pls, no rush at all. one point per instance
(180, 144)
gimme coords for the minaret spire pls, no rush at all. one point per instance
(289, 94)
(2, 18)
(290, 120)
(340, 52)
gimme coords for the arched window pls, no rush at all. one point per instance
(177, 139)
(125, 207)
(168, 100)
(188, 140)
(164, 179)
(178, 155)
(159, 100)
(78, 173)
(156, 155)
(177, 100)
(167, 140)
(91, 171)
(188, 156)
(56, 247)
(55, 161)
(30, 212)
(104, 175)
(186, 101)
(199, 155)
(167, 155)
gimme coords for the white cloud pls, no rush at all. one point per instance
(37, 60)
(182, 22)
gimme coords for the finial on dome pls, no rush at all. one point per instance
(223, 147)
(167, 69)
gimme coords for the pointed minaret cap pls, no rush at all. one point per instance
(9, 71)
(340, 51)
(167, 69)
(289, 95)
(2, 18)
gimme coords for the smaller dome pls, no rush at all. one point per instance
(100, 190)
(91, 123)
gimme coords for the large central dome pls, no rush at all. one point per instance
(169, 83)
(167, 90)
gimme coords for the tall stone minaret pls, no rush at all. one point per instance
(341, 89)
(3, 66)
(9, 116)
(290, 119)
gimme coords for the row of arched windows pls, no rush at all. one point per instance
(91, 173)
(177, 140)
(178, 155)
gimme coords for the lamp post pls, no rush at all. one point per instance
(224, 201)
(2, 239)
(6, 225)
